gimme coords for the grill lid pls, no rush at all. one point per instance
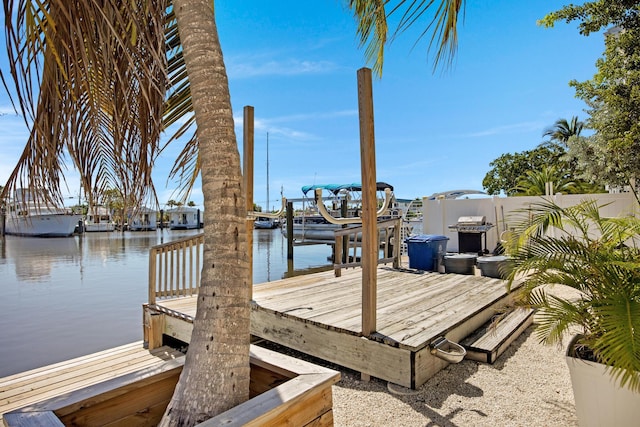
(472, 220)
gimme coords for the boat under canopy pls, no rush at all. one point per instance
(337, 188)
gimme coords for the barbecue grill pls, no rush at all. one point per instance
(470, 230)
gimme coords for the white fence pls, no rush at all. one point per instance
(440, 214)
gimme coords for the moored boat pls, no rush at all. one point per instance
(144, 219)
(184, 218)
(263, 223)
(25, 217)
(311, 227)
(99, 218)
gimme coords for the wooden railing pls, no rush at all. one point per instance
(174, 268)
(349, 240)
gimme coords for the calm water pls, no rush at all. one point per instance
(67, 297)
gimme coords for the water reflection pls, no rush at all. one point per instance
(77, 295)
(34, 258)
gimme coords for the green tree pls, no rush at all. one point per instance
(596, 15)
(612, 153)
(114, 201)
(507, 170)
(103, 67)
(562, 130)
(535, 182)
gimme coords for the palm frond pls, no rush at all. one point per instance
(598, 256)
(372, 28)
(90, 81)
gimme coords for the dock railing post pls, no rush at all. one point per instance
(152, 276)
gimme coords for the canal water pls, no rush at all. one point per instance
(62, 298)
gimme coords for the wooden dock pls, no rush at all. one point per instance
(320, 315)
(27, 388)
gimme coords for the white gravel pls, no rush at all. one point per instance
(528, 385)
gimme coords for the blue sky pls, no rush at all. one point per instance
(295, 62)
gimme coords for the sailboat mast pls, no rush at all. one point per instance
(268, 172)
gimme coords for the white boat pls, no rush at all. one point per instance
(99, 219)
(145, 219)
(313, 228)
(184, 218)
(263, 223)
(25, 217)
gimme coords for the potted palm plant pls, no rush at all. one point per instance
(599, 258)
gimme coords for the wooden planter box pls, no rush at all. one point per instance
(282, 388)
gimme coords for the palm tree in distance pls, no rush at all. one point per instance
(536, 182)
(110, 77)
(562, 130)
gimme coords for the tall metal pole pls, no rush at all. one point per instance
(268, 209)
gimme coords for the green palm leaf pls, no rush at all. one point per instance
(597, 256)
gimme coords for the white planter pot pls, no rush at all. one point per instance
(599, 399)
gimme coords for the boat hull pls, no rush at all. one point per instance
(99, 227)
(46, 225)
(183, 226)
(265, 224)
(315, 232)
(142, 227)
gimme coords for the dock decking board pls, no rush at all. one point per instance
(53, 380)
(320, 314)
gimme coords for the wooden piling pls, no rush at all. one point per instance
(247, 175)
(290, 230)
(369, 202)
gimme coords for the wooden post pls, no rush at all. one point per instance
(290, 230)
(153, 255)
(369, 203)
(248, 184)
(344, 253)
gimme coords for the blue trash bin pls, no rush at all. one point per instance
(425, 249)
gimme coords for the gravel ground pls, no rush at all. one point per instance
(528, 385)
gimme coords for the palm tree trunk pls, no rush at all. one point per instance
(215, 377)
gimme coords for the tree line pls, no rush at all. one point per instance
(610, 156)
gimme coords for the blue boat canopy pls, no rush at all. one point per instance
(336, 188)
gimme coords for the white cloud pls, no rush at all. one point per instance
(262, 125)
(246, 67)
(314, 116)
(511, 129)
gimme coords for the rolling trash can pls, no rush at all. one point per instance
(426, 251)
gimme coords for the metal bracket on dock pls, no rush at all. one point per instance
(449, 351)
(278, 214)
(356, 220)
